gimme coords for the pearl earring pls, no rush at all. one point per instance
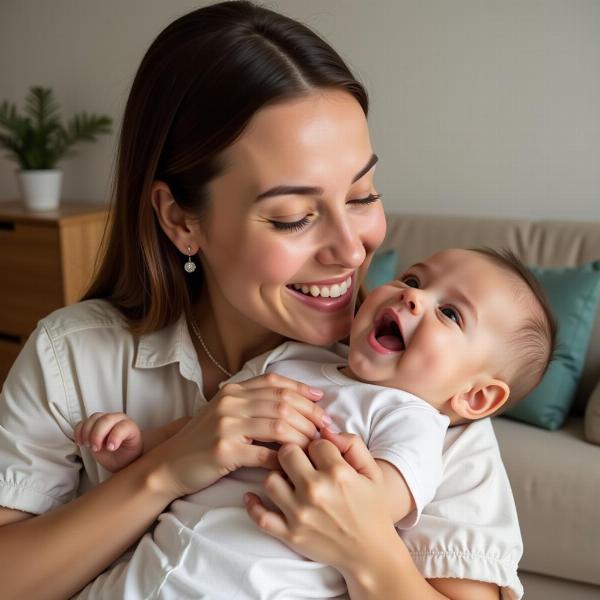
(190, 265)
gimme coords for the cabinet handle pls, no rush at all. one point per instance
(7, 225)
(9, 337)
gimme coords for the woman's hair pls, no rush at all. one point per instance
(198, 86)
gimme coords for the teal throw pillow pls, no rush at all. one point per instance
(574, 294)
(382, 269)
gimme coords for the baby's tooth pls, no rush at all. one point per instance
(335, 291)
(305, 289)
(325, 292)
(314, 290)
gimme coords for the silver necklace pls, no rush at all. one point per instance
(210, 356)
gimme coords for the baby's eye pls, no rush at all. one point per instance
(451, 313)
(411, 281)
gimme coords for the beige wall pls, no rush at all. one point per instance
(487, 107)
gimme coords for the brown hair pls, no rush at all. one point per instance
(534, 343)
(198, 86)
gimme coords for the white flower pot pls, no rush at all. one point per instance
(40, 190)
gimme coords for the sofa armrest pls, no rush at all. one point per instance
(592, 416)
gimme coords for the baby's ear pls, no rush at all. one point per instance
(483, 399)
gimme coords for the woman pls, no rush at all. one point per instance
(244, 153)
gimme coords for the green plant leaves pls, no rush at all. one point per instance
(39, 140)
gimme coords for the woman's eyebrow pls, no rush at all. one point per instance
(370, 164)
(305, 190)
(290, 190)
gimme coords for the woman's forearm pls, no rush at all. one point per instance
(154, 437)
(394, 576)
(391, 575)
(53, 555)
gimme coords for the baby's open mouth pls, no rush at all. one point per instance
(388, 334)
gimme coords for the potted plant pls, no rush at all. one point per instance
(38, 141)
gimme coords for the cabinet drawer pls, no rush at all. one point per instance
(30, 275)
(9, 349)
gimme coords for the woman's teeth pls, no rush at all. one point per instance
(325, 291)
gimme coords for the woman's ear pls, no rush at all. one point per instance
(174, 221)
(481, 400)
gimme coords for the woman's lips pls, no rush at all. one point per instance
(326, 304)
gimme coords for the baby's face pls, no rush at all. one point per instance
(438, 329)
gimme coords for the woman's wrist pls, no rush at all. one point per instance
(387, 572)
(376, 564)
(154, 437)
(156, 477)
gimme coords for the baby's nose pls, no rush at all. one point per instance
(411, 300)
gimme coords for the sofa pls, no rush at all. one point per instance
(555, 475)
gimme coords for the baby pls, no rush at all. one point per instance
(459, 337)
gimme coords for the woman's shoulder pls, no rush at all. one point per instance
(83, 316)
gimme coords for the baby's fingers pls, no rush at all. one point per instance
(123, 431)
(82, 430)
(77, 433)
(100, 429)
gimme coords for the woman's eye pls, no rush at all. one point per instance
(366, 200)
(291, 225)
(411, 281)
(451, 313)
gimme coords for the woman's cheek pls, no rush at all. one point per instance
(374, 228)
(377, 227)
(276, 261)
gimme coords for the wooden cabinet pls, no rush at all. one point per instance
(46, 261)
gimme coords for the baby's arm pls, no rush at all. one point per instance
(115, 440)
(406, 442)
(399, 496)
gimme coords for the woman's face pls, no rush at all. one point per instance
(294, 209)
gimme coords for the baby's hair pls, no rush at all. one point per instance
(534, 342)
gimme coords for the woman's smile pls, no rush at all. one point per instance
(325, 296)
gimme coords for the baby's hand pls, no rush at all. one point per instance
(114, 439)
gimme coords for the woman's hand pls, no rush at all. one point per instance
(267, 408)
(334, 506)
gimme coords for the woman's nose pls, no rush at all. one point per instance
(344, 247)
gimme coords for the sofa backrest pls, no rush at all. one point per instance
(541, 243)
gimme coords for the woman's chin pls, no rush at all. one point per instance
(326, 335)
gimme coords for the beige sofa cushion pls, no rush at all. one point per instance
(556, 483)
(592, 416)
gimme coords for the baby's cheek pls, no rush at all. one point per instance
(437, 359)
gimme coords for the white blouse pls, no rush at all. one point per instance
(82, 359)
